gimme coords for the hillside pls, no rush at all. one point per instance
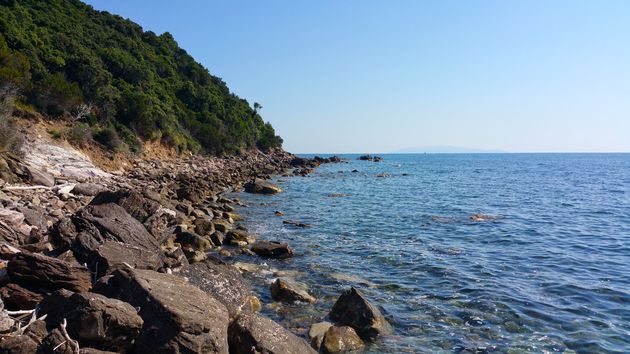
(119, 83)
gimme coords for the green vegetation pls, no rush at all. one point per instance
(73, 62)
(11, 140)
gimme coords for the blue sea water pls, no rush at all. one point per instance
(547, 269)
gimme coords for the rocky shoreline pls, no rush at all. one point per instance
(138, 260)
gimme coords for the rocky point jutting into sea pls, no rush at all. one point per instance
(137, 259)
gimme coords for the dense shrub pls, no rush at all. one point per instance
(80, 134)
(63, 53)
(109, 138)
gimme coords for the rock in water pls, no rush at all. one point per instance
(287, 290)
(340, 339)
(178, 317)
(316, 333)
(94, 319)
(221, 281)
(47, 272)
(260, 186)
(272, 249)
(252, 333)
(354, 310)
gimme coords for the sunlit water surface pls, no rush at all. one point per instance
(548, 272)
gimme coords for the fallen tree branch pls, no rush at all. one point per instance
(73, 342)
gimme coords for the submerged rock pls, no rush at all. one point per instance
(354, 310)
(316, 333)
(260, 186)
(340, 339)
(287, 290)
(252, 333)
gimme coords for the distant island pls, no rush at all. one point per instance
(446, 150)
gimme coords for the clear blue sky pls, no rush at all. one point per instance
(377, 76)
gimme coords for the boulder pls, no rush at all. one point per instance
(340, 339)
(354, 310)
(221, 281)
(87, 189)
(252, 333)
(94, 320)
(260, 186)
(272, 249)
(217, 238)
(9, 235)
(19, 298)
(35, 217)
(19, 344)
(222, 225)
(190, 240)
(112, 255)
(287, 290)
(95, 224)
(204, 227)
(133, 202)
(240, 237)
(178, 317)
(40, 178)
(47, 272)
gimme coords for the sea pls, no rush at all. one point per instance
(463, 253)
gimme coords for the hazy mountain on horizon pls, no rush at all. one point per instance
(445, 150)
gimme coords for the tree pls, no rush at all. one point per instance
(257, 107)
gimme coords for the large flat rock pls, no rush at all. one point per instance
(178, 317)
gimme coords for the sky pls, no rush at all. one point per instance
(379, 76)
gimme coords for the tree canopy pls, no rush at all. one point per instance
(63, 54)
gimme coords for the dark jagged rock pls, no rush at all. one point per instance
(18, 297)
(47, 272)
(221, 281)
(112, 255)
(217, 238)
(133, 202)
(252, 333)
(272, 249)
(94, 320)
(95, 224)
(283, 289)
(178, 317)
(354, 310)
(260, 186)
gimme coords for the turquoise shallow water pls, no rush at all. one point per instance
(550, 272)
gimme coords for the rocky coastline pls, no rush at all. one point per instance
(138, 260)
